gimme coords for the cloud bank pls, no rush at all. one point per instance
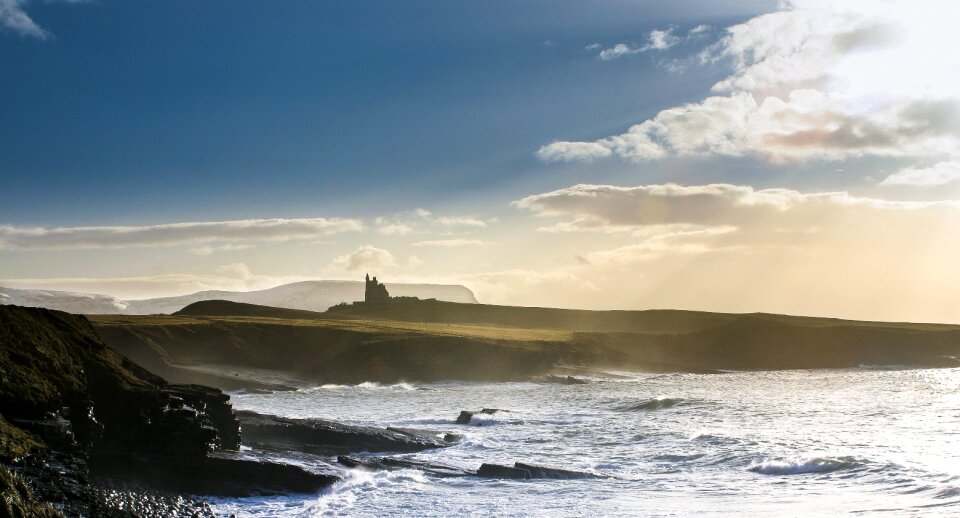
(814, 81)
(44, 238)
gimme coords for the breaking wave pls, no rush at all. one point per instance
(653, 404)
(807, 465)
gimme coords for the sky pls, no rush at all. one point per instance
(794, 157)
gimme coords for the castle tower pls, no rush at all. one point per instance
(374, 292)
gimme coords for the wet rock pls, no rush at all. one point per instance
(428, 434)
(218, 474)
(215, 406)
(498, 471)
(545, 472)
(54, 428)
(466, 415)
(523, 471)
(565, 380)
(389, 463)
(330, 437)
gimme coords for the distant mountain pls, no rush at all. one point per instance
(63, 301)
(306, 295)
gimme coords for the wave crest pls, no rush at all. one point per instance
(653, 404)
(802, 466)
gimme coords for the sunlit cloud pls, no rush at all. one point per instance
(609, 208)
(816, 80)
(210, 250)
(939, 174)
(450, 243)
(394, 229)
(367, 257)
(54, 238)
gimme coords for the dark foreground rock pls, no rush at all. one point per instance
(466, 416)
(217, 474)
(79, 421)
(63, 484)
(330, 437)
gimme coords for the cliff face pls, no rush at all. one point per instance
(62, 383)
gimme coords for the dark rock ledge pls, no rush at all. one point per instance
(87, 431)
(519, 470)
(321, 436)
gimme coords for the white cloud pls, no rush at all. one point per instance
(800, 44)
(939, 174)
(44, 238)
(240, 270)
(394, 229)
(766, 215)
(449, 243)
(806, 124)
(567, 151)
(13, 17)
(698, 31)
(658, 39)
(450, 221)
(453, 221)
(210, 250)
(816, 80)
(661, 39)
(617, 51)
(366, 257)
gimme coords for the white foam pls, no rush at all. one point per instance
(801, 466)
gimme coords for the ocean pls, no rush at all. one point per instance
(784, 443)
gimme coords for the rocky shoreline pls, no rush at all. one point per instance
(86, 432)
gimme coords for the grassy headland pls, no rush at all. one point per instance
(231, 345)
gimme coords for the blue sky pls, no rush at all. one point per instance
(164, 110)
(799, 156)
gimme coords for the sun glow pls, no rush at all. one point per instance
(911, 54)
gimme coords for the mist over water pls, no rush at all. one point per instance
(748, 443)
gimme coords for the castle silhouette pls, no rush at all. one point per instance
(375, 292)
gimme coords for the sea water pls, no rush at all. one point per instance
(786, 443)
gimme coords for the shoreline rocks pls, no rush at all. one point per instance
(466, 415)
(79, 421)
(330, 437)
(391, 463)
(519, 470)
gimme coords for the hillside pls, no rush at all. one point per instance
(267, 352)
(619, 321)
(233, 345)
(307, 295)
